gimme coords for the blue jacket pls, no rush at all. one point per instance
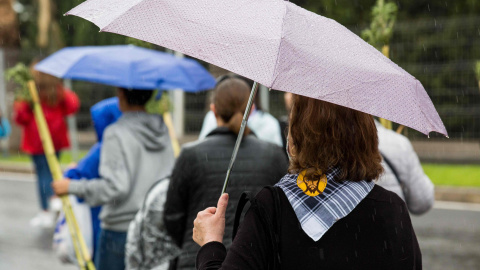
(5, 128)
(103, 113)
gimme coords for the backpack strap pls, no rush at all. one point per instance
(244, 198)
(270, 221)
(390, 165)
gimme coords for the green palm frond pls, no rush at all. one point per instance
(477, 69)
(20, 75)
(159, 106)
(384, 15)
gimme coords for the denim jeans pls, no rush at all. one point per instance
(110, 252)
(44, 179)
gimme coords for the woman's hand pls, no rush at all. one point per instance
(61, 187)
(209, 226)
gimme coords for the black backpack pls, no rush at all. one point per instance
(270, 221)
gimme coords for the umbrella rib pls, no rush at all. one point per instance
(432, 127)
(75, 63)
(120, 15)
(274, 75)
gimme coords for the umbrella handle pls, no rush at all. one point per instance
(240, 134)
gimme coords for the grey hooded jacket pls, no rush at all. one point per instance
(136, 152)
(412, 185)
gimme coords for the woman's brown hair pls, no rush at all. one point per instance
(230, 100)
(47, 85)
(324, 135)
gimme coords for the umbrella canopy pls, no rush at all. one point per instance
(279, 45)
(127, 66)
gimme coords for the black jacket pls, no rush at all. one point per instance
(198, 177)
(377, 234)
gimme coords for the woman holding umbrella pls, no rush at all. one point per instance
(327, 213)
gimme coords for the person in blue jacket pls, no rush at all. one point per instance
(5, 130)
(104, 113)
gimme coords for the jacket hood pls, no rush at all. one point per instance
(105, 113)
(150, 129)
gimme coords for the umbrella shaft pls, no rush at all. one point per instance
(240, 134)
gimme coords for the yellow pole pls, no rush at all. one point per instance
(386, 123)
(167, 118)
(81, 250)
(400, 129)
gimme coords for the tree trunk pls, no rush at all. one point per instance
(43, 21)
(9, 33)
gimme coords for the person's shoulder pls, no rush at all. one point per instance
(114, 130)
(265, 197)
(203, 144)
(268, 116)
(254, 140)
(262, 119)
(189, 150)
(264, 147)
(381, 195)
(392, 138)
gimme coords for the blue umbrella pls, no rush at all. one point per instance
(129, 67)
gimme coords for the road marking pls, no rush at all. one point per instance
(457, 206)
(17, 177)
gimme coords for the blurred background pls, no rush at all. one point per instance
(438, 42)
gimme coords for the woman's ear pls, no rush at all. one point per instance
(122, 102)
(212, 108)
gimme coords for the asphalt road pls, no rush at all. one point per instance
(21, 246)
(449, 238)
(449, 235)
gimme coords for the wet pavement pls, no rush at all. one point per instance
(449, 239)
(21, 246)
(449, 235)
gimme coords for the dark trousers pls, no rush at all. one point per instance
(110, 251)
(44, 179)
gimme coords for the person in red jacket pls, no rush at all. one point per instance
(57, 102)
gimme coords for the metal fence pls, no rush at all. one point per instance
(441, 53)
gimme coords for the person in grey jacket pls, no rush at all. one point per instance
(136, 152)
(403, 172)
(199, 172)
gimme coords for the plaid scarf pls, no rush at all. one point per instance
(317, 214)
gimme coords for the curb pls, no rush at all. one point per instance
(457, 194)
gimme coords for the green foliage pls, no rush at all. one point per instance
(20, 75)
(477, 70)
(161, 105)
(453, 175)
(381, 27)
(139, 43)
